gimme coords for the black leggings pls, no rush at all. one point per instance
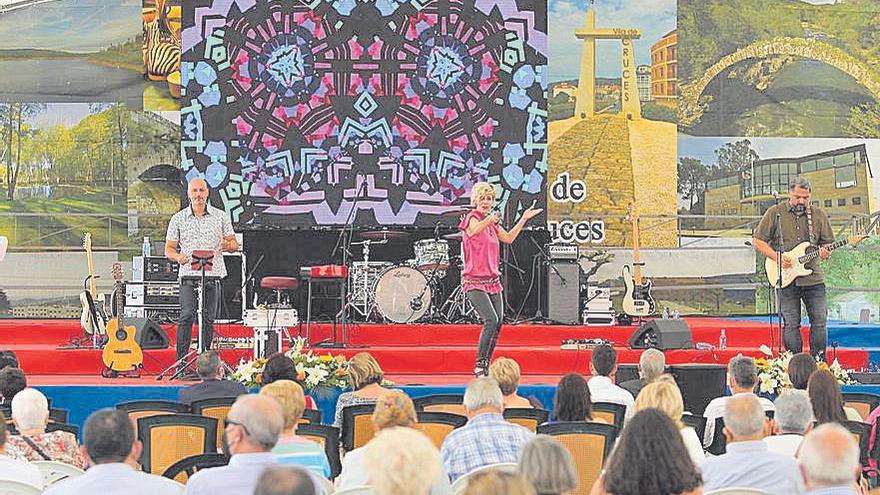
(491, 309)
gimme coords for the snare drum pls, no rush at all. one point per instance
(432, 254)
(402, 294)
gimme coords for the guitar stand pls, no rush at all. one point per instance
(109, 372)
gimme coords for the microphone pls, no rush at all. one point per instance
(415, 303)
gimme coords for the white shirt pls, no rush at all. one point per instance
(116, 478)
(787, 443)
(239, 477)
(17, 470)
(603, 390)
(693, 445)
(715, 410)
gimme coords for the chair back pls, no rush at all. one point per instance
(357, 426)
(719, 441)
(356, 490)
(589, 444)
(438, 425)
(611, 412)
(526, 417)
(10, 487)
(138, 409)
(698, 423)
(181, 470)
(73, 429)
(327, 437)
(311, 416)
(54, 471)
(862, 433)
(169, 438)
(217, 408)
(60, 415)
(459, 485)
(737, 491)
(863, 403)
(447, 403)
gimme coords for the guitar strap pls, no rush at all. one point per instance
(813, 239)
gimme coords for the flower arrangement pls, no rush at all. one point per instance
(773, 371)
(313, 371)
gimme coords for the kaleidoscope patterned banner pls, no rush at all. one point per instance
(384, 112)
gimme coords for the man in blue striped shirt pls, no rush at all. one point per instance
(487, 438)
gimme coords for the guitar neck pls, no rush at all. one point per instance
(119, 301)
(93, 285)
(815, 254)
(637, 257)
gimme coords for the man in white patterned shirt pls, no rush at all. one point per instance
(487, 438)
(202, 227)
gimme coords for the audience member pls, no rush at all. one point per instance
(793, 419)
(8, 359)
(366, 381)
(496, 482)
(548, 466)
(279, 366)
(603, 365)
(573, 401)
(402, 461)
(393, 409)
(211, 386)
(30, 413)
(16, 469)
(748, 463)
(665, 396)
(253, 425)
(291, 448)
(112, 451)
(12, 381)
(649, 457)
(285, 480)
(506, 372)
(742, 377)
(824, 392)
(800, 367)
(652, 364)
(486, 438)
(829, 460)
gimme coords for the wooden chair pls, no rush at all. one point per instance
(58, 415)
(698, 423)
(74, 429)
(169, 438)
(589, 444)
(328, 437)
(137, 409)
(54, 471)
(527, 417)
(461, 483)
(863, 403)
(611, 412)
(448, 403)
(311, 416)
(438, 425)
(10, 487)
(217, 408)
(181, 470)
(357, 426)
(862, 434)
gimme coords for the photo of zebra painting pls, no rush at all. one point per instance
(161, 47)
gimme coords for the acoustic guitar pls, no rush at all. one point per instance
(121, 354)
(637, 299)
(91, 320)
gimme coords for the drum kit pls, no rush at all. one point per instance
(408, 291)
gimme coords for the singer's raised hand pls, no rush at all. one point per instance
(532, 212)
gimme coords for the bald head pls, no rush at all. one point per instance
(829, 456)
(198, 193)
(744, 418)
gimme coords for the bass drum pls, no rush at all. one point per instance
(402, 294)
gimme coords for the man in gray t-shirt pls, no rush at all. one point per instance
(198, 227)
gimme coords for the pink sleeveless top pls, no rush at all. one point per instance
(481, 257)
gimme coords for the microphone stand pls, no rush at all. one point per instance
(545, 259)
(249, 278)
(779, 252)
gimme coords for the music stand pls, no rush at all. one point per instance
(201, 260)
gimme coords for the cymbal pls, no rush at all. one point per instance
(455, 236)
(384, 234)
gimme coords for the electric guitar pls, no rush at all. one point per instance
(122, 353)
(802, 254)
(637, 300)
(91, 321)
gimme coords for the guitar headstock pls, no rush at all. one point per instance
(116, 271)
(87, 241)
(855, 239)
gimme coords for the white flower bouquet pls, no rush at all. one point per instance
(773, 371)
(313, 371)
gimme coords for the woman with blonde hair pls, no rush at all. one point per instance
(481, 275)
(366, 381)
(402, 461)
(291, 448)
(663, 394)
(497, 482)
(548, 466)
(506, 372)
(394, 409)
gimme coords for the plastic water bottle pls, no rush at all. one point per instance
(665, 312)
(722, 340)
(145, 248)
(675, 314)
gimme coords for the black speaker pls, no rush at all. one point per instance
(563, 292)
(662, 334)
(148, 335)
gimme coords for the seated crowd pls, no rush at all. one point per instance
(805, 448)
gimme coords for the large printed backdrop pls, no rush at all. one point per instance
(298, 112)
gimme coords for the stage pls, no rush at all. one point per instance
(422, 359)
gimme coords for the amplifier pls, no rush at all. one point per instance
(153, 269)
(271, 318)
(151, 294)
(563, 292)
(159, 314)
(562, 251)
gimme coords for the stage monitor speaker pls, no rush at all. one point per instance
(233, 294)
(563, 292)
(662, 334)
(148, 334)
